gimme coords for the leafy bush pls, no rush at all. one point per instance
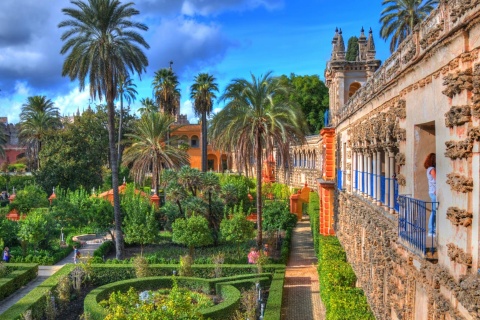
(337, 283)
(192, 232)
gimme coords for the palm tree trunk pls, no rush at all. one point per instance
(120, 130)
(204, 141)
(258, 168)
(119, 245)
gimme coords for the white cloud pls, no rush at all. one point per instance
(73, 101)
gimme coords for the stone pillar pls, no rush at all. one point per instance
(353, 171)
(327, 182)
(378, 172)
(365, 172)
(387, 179)
(369, 172)
(391, 164)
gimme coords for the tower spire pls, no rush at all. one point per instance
(370, 46)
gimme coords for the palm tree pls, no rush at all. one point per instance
(400, 17)
(148, 105)
(166, 91)
(126, 90)
(252, 120)
(38, 115)
(202, 92)
(103, 46)
(149, 152)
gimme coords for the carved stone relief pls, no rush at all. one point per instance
(457, 255)
(459, 217)
(402, 181)
(459, 183)
(458, 149)
(457, 115)
(458, 81)
(476, 91)
(400, 133)
(400, 109)
(400, 159)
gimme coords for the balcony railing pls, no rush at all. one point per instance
(412, 224)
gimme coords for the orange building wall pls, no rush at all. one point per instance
(195, 153)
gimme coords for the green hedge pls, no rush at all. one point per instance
(228, 288)
(273, 309)
(314, 212)
(20, 275)
(104, 249)
(103, 274)
(337, 283)
(35, 299)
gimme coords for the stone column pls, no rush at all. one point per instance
(391, 164)
(369, 172)
(388, 175)
(365, 170)
(353, 171)
(378, 172)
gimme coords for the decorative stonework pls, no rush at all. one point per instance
(456, 82)
(459, 183)
(408, 56)
(474, 135)
(400, 109)
(457, 115)
(458, 149)
(431, 36)
(401, 180)
(457, 255)
(476, 91)
(400, 134)
(400, 159)
(459, 217)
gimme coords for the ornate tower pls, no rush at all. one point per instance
(344, 78)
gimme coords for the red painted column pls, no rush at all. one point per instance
(327, 183)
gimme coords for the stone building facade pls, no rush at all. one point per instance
(424, 99)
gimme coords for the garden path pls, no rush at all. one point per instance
(301, 291)
(44, 272)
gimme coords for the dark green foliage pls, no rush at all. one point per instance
(313, 212)
(74, 156)
(352, 49)
(236, 230)
(337, 283)
(19, 275)
(311, 94)
(31, 197)
(104, 249)
(8, 232)
(192, 232)
(139, 224)
(277, 216)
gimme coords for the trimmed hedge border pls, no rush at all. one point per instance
(242, 274)
(273, 309)
(229, 290)
(35, 299)
(341, 298)
(21, 274)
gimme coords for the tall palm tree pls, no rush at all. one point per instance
(255, 118)
(400, 17)
(203, 93)
(148, 105)
(103, 46)
(38, 115)
(166, 91)
(149, 152)
(126, 90)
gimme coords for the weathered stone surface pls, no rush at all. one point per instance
(457, 255)
(460, 183)
(459, 217)
(457, 115)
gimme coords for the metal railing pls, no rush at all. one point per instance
(412, 223)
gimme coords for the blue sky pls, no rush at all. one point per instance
(226, 38)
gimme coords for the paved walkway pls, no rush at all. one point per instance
(44, 272)
(301, 296)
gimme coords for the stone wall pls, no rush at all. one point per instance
(424, 98)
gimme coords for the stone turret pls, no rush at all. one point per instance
(344, 78)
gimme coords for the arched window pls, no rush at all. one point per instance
(194, 142)
(353, 88)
